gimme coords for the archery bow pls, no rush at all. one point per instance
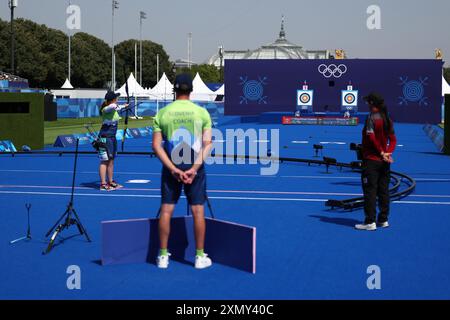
(126, 110)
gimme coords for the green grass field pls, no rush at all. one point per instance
(70, 126)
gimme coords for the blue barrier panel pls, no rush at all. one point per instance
(86, 138)
(7, 146)
(64, 141)
(137, 241)
(78, 108)
(119, 135)
(145, 132)
(135, 133)
(82, 108)
(436, 134)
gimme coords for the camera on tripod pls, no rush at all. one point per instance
(358, 149)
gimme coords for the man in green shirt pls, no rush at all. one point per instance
(182, 141)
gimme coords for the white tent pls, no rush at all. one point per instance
(163, 90)
(67, 85)
(201, 91)
(134, 88)
(445, 87)
(220, 91)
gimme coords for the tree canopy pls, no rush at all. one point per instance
(125, 52)
(208, 73)
(42, 57)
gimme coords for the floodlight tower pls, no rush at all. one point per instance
(12, 5)
(189, 63)
(115, 6)
(142, 16)
(221, 53)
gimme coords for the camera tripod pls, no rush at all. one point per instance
(69, 217)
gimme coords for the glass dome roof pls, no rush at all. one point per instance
(280, 49)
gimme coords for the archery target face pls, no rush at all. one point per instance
(304, 97)
(349, 98)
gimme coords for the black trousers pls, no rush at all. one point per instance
(376, 176)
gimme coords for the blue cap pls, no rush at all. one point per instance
(183, 82)
(111, 95)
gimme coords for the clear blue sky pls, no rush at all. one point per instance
(410, 28)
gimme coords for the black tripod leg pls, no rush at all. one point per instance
(57, 223)
(80, 225)
(29, 227)
(52, 239)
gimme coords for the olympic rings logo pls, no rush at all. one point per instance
(332, 70)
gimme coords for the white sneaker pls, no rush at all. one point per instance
(367, 227)
(202, 262)
(163, 261)
(383, 224)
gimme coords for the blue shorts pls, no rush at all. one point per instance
(108, 136)
(171, 188)
(110, 152)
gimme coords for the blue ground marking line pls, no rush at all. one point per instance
(212, 197)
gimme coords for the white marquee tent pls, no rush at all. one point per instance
(445, 87)
(163, 90)
(67, 85)
(134, 88)
(201, 91)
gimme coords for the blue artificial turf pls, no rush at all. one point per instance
(304, 251)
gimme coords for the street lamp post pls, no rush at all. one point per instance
(115, 5)
(69, 62)
(12, 5)
(221, 62)
(157, 68)
(189, 49)
(142, 16)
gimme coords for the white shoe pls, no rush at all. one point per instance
(383, 224)
(202, 262)
(163, 261)
(367, 227)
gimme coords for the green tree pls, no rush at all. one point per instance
(208, 73)
(31, 61)
(41, 57)
(91, 62)
(125, 57)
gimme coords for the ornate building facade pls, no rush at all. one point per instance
(280, 49)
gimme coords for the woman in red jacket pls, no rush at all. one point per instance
(378, 144)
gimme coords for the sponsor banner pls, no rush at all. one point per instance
(325, 121)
